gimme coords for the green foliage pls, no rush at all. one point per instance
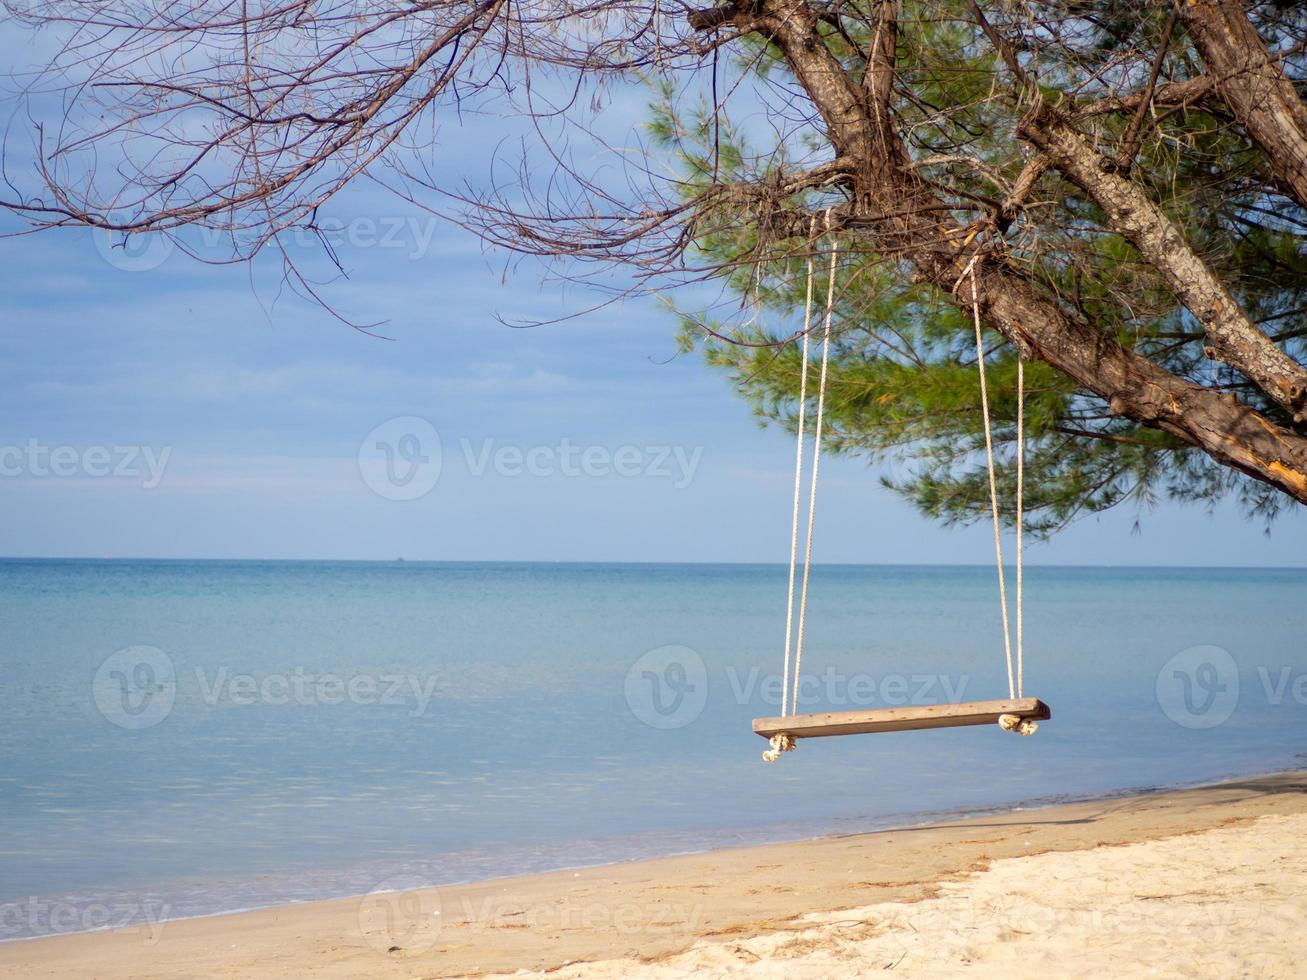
(903, 376)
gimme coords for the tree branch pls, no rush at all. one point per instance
(1262, 98)
(1173, 95)
(1131, 384)
(1134, 135)
(1235, 339)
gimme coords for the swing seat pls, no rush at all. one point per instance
(904, 719)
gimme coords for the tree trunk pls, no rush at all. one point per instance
(1253, 85)
(1234, 338)
(894, 206)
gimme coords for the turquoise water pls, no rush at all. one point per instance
(280, 731)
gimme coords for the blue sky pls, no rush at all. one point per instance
(242, 418)
(262, 406)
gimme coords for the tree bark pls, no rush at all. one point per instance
(1137, 388)
(894, 206)
(1253, 85)
(1234, 338)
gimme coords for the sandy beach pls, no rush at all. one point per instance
(1197, 882)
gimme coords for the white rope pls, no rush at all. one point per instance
(816, 465)
(798, 483)
(993, 483)
(1015, 723)
(784, 742)
(779, 743)
(1016, 684)
(1021, 493)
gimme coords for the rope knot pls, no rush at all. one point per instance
(1015, 723)
(779, 743)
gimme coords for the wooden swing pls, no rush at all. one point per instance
(1016, 713)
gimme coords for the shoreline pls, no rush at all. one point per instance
(653, 907)
(1031, 805)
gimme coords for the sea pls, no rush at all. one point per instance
(185, 738)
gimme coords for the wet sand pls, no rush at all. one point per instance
(1209, 881)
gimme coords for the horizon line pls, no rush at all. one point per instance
(583, 561)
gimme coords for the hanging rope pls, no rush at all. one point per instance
(1015, 677)
(993, 483)
(793, 639)
(798, 476)
(1021, 495)
(816, 464)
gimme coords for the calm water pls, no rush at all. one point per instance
(280, 731)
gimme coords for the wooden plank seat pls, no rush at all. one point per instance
(903, 719)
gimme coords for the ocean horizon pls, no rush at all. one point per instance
(1009, 563)
(189, 737)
